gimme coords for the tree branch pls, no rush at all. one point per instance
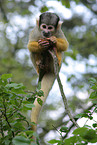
(56, 69)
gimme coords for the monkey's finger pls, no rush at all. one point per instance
(53, 39)
(45, 41)
(42, 40)
(44, 44)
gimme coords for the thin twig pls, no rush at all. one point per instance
(56, 69)
(6, 118)
(58, 131)
(1, 124)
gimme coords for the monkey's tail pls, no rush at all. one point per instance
(46, 85)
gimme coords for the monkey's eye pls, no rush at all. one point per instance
(51, 28)
(43, 26)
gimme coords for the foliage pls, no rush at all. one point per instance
(14, 127)
(86, 134)
(14, 99)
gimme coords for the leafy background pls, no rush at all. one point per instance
(17, 19)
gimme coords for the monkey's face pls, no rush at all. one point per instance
(47, 30)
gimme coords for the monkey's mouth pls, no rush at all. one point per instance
(46, 34)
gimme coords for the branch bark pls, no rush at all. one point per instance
(56, 69)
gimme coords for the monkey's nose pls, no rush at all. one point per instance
(46, 34)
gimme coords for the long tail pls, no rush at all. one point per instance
(46, 85)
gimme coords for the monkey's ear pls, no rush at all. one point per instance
(59, 24)
(37, 22)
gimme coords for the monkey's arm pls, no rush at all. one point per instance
(61, 41)
(33, 46)
(61, 44)
(39, 46)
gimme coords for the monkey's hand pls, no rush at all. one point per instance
(44, 43)
(52, 41)
(47, 43)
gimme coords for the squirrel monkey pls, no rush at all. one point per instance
(43, 37)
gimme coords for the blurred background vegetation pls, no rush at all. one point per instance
(17, 19)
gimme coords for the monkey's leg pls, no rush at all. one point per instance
(46, 85)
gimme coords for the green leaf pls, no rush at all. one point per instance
(64, 129)
(40, 93)
(94, 101)
(93, 95)
(15, 86)
(18, 91)
(39, 101)
(29, 133)
(29, 106)
(94, 87)
(6, 76)
(36, 135)
(71, 140)
(21, 140)
(90, 136)
(81, 115)
(94, 125)
(18, 125)
(87, 134)
(33, 123)
(66, 3)
(92, 80)
(80, 131)
(54, 141)
(77, 1)
(44, 9)
(7, 142)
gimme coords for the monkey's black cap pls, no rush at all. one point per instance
(49, 19)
